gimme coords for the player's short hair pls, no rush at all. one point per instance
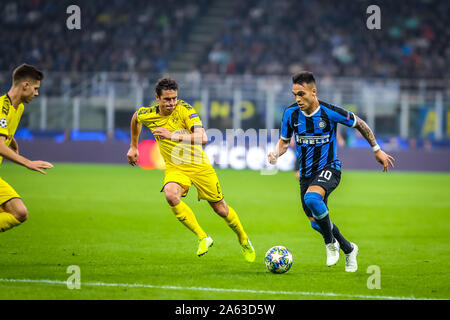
(165, 84)
(26, 72)
(303, 77)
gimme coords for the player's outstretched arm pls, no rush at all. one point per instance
(135, 130)
(380, 155)
(14, 146)
(13, 156)
(280, 149)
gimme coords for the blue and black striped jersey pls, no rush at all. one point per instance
(315, 135)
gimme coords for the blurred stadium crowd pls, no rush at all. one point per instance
(260, 37)
(116, 35)
(331, 38)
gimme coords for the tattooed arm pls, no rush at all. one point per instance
(380, 155)
(365, 131)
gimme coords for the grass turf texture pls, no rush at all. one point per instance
(114, 224)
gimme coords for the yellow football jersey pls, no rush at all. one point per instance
(183, 120)
(9, 118)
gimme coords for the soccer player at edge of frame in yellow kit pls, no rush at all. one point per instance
(180, 135)
(25, 86)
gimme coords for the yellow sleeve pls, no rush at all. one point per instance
(191, 118)
(141, 111)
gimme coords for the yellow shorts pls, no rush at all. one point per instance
(205, 180)
(6, 192)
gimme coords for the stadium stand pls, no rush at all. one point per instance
(279, 37)
(216, 47)
(234, 37)
(115, 35)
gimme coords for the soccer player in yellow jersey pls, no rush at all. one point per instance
(180, 135)
(26, 83)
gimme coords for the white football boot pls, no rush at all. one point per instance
(351, 265)
(332, 253)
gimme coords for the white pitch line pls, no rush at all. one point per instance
(149, 286)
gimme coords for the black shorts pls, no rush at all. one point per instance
(327, 178)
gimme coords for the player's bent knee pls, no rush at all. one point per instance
(312, 200)
(221, 208)
(315, 203)
(17, 208)
(172, 192)
(21, 214)
(221, 211)
(172, 198)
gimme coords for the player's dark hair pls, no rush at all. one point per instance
(26, 72)
(165, 84)
(303, 77)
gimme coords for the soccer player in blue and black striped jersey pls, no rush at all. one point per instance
(313, 124)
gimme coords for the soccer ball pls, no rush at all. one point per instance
(278, 259)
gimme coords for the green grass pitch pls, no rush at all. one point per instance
(113, 223)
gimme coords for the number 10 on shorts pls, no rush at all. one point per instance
(326, 174)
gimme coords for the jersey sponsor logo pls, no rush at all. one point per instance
(297, 124)
(182, 131)
(300, 139)
(5, 108)
(194, 115)
(3, 123)
(144, 111)
(186, 105)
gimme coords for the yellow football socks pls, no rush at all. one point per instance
(234, 223)
(185, 215)
(7, 221)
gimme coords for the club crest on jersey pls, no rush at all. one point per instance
(322, 124)
(174, 120)
(3, 123)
